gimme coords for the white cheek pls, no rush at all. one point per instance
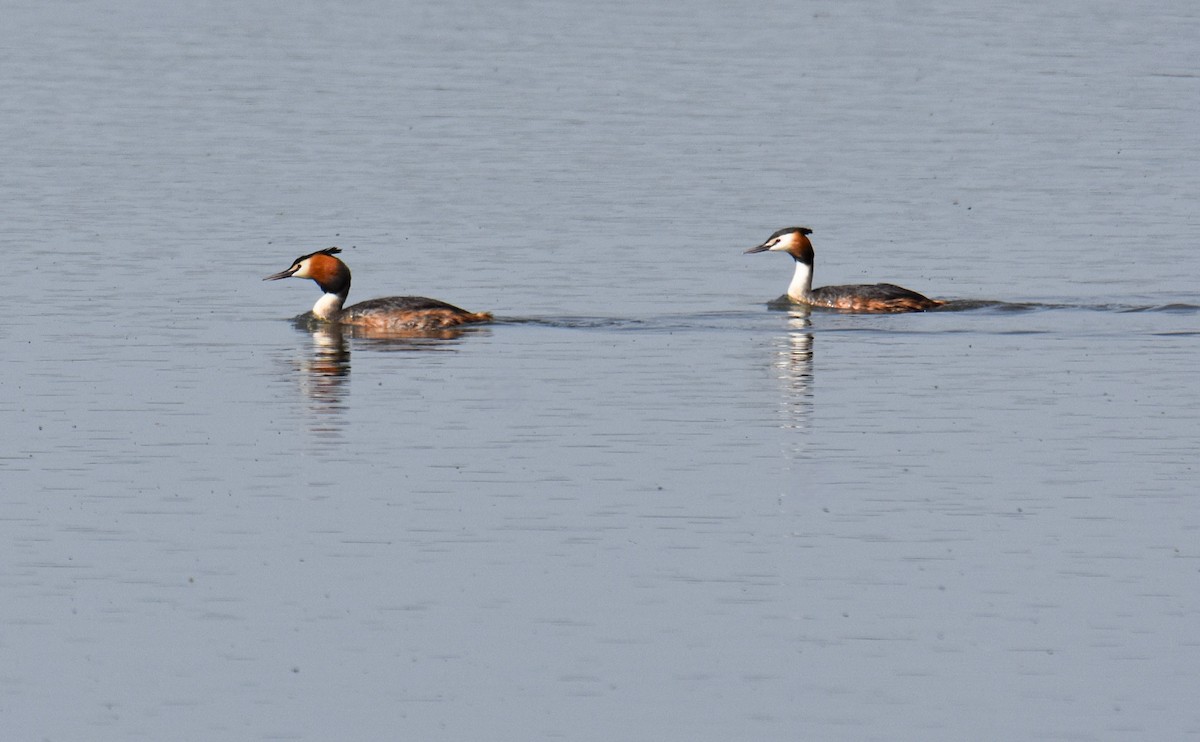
(303, 270)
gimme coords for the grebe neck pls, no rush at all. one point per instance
(335, 283)
(329, 306)
(801, 285)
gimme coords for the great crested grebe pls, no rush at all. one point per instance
(876, 297)
(388, 313)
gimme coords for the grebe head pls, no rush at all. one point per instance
(330, 274)
(791, 240)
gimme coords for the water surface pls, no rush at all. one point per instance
(644, 504)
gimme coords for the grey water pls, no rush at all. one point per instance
(645, 504)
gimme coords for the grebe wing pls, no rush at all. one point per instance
(881, 291)
(402, 304)
(898, 292)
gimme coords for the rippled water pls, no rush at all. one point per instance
(644, 504)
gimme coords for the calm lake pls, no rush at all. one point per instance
(643, 504)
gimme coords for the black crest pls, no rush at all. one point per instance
(786, 230)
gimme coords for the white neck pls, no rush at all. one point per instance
(801, 285)
(329, 306)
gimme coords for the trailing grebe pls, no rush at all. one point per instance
(877, 297)
(389, 313)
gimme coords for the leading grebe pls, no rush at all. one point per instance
(877, 297)
(390, 313)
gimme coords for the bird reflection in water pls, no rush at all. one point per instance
(794, 367)
(323, 371)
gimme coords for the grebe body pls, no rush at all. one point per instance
(876, 297)
(388, 313)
